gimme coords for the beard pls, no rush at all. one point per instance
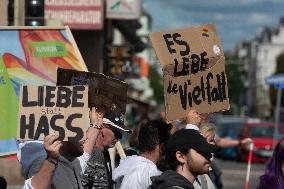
(198, 168)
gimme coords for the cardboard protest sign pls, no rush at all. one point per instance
(193, 69)
(52, 109)
(30, 56)
(103, 90)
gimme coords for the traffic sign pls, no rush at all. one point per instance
(276, 80)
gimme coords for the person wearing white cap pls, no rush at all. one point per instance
(98, 173)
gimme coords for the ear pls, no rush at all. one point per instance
(180, 157)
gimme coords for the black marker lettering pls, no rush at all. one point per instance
(169, 43)
(77, 96)
(74, 129)
(24, 126)
(26, 102)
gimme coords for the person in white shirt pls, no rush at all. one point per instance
(135, 171)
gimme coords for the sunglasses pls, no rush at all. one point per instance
(117, 134)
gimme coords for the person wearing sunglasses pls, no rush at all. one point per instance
(98, 173)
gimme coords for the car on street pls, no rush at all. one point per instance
(229, 127)
(262, 136)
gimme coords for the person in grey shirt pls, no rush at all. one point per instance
(56, 164)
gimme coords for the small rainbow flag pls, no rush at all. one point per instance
(205, 32)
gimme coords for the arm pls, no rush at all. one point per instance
(224, 142)
(96, 120)
(43, 178)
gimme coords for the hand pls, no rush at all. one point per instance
(96, 117)
(52, 146)
(246, 141)
(193, 117)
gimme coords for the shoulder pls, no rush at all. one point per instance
(30, 164)
(148, 167)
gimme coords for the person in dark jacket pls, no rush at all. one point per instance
(188, 155)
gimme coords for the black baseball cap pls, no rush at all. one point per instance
(115, 121)
(190, 138)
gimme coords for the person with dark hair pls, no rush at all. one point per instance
(273, 177)
(188, 155)
(135, 171)
(212, 180)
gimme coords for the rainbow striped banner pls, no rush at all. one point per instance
(205, 32)
(30, 56)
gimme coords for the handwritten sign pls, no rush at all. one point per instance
(103, 90)
(52, 109)
(193, 70)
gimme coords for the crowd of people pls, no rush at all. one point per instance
(159, 156)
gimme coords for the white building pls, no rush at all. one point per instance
(262, 53)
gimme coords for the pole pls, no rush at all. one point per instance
(277, 114)
(249, 165)
(19, 13)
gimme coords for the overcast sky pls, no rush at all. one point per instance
(235, 19)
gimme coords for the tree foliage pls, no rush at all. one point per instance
(156, 85)
(235, 83)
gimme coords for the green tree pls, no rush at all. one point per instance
(156, 84)
(235, 83)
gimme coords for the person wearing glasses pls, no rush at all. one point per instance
(98, 173)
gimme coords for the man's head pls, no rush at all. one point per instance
(153, 133)
(113, 128)
(208, 131)
(188, 149)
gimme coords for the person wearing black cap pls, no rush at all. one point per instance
(188, 155)
(98, 173)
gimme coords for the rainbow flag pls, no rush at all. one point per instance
(205, 32)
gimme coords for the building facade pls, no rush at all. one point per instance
(260, 59)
